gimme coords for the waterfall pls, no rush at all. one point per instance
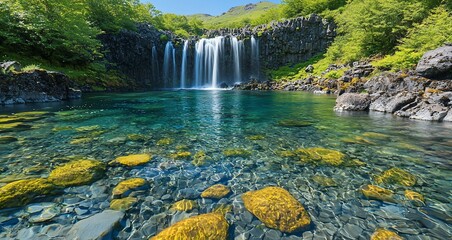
(255, 62)
(207, 62)
(183, 75)
(167, 61)
(236, 58)
(174, 69)
(155, 65)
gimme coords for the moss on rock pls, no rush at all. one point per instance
(377, 193)
(181, 155)
(133, 160)
(200, 158)
(76, 173)
(184, 205)
(216, 191)
(123, 204)
(416, 198)
(236, 152)
(320, 156)
(294, 123)
(22, 192)
(277, 209)
(384, 234)
(396, 176)
(165, 141)
(202, 227)
(124, 188)
(324, 181)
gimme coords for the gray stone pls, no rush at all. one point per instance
(351, 231)
(97, 226)
(272, 235)
(448, 117)
(352, 102)
(436, 64)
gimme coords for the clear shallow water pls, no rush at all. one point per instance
(213, 121)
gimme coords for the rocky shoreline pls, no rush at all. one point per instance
(34, 86)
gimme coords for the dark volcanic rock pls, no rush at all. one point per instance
(36, 86)
(352, 102)
(436, 64)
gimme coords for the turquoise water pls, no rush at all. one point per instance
(213, 121)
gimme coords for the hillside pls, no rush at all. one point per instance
(236, 16)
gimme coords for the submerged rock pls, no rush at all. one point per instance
(133, 160)
(22, 192)
(165, 141)
(236, 152)
(76, 173)
(216, 191)
(416, 198)
(277, 209)
(123, 204)
(294, 123)
(352, 102)
(99, 226)
(7, 139)
(377, 193)
(321, 156)
(124, 188)
(181, 155)
(396, 176)
(203, 227)
(324, 181)
(384, 234)
(200, 158)
(184, 205)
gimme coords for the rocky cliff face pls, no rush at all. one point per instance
(36, 86)
(280, 43)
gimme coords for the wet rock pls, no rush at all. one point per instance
(384, 234)
(133, 160)
(351, 231)
(352, 102)
(217, 191)
(22, 192)
(202, 227)
(324, 181)
(99, 226)
(277, 209)
(377, 193)
(46, 214)
(436, 64)
(123, 204)
(416, 198)
(236, 152)
(76, 173)
(7, 139)
(396, 176)
(321, 156)
(181, 155)
(124, 188)
(184, 205)
(294, 123)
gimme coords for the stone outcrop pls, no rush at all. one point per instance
(77, 173)
(352, 102)
(98, 226)
(35, 86)
(436, 64)
(22, 192)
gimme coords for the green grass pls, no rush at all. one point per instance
(236, 17)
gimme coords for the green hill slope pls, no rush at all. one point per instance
(236, 16)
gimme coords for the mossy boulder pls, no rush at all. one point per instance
(396, 176)
(133, 160)
(181, 155)
(321, 156)
(414, 197)
(200, 158)
(76, 173)
(384, 234)
(88, 128)
(277, 209)
(287, 154)
(377, 193)
(137, 137)
(294, 123)
(202, 227)
(184, 205)
(15, 126)
(165, 141)
(217, 191)
(124, 188)
(236, 152)
(22, 192)
(123, 204)
(255, 137)
(222, 209)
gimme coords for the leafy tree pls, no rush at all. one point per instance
(181, 25)
(293, 8)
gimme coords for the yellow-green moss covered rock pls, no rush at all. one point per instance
(137, 137)
(77, 173)
(255, 137)
(200, 158)
(133, 160)
(184, 205)
(236, 152)
(287, 154)
(294, 123)
(321, 156)
(416, 198)
(165, 141)
(15, 126)
(203, 227)
(181, 155)
(384, 234)
(374, 135)
(216, 191)
(124, 188)
(377, 193)
(324, 181)
(22, 192)
(123, 204)
(396, 176)
(223, 209)
(277, 209)
(88, 128)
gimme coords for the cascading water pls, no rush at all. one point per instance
(174, 69)
(236, 54)
(207, 62)
(155, 65)
(183, 75)
(167, 61)
(255, 62)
